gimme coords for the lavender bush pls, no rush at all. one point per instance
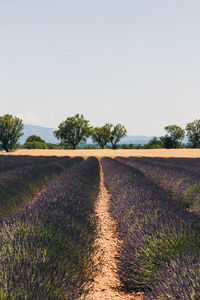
(46, 247)
(19, 185)
(156, 231)
(182, 184)
(178, 280)
(10, 162)
(192, 164)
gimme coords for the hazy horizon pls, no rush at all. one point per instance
(131, 62)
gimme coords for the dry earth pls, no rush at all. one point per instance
(111, 153)
(106, 283)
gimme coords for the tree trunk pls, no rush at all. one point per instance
(6, 148)
(74, 147)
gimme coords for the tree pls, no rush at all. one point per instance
(35, 142)
(174, 136)
(193, 133)
(73, 131)
(35, 145)
(117, 133)
(34, 138)
(154, 143)
(10, 132)
(102, 135)
(52, 146)
(166, 142)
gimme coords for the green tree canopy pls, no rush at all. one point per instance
(193, 133)
(35, 145)
(73, 131)
(34, 138)
(117, 133)
(35, 142)
(154, 143)
(10, 132)
(167, 142)
(174, 136)
(102, 135)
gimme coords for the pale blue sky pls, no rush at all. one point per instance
(136, 62)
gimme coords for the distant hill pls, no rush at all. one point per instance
(44, 132)
(137, 139)
(47, 134)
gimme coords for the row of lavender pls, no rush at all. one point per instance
(192, 164)
(10, 162)
(46, 247)
(179, 177)
(21, 183)
(161, 240)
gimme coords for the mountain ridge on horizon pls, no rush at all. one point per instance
(46, 133)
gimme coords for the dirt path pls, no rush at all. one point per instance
(106, 281)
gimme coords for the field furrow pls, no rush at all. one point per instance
(106, 283)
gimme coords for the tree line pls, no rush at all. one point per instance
(175, 135)
(76, 129)
(71, 132)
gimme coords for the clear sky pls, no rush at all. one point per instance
(134, 62)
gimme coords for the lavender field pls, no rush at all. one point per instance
(46, 245)
(160, 254)
(48, 225)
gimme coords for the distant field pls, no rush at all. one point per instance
(111, 153)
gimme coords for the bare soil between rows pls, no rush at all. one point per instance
(106, 282)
